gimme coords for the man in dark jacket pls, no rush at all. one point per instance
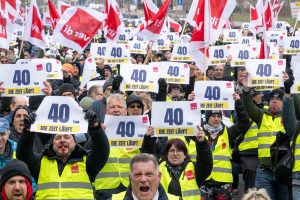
(144, 180)
(65, 169)
(15, 182)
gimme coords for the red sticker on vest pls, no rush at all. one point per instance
(74, 168)
(189, 174)
(223, 145)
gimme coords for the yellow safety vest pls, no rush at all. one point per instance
(187, 180)
(267, 134)
(222, 169)
(121, 196)
(191, 147)
(296, 167)
(116, 170)
(73, 183)
(250, 139)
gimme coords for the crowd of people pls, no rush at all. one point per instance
(205, 166)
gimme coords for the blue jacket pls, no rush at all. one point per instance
(5, 159)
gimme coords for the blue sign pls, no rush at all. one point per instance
(179, 2)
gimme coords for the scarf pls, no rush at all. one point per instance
(213, 131)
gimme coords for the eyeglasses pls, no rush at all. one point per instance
(275, 99)
(135, 106)
(4, 61)
(173, 151)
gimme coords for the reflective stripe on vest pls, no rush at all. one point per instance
(222, 169)
(72, 183)
(267, 134)
(121, 196)
(187, 180)
(116, 170)
(250, 140)
(296, 167)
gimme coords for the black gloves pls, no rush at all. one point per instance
(117, 82)
(92, 118)
(162, 85)
(289, 83)
(28, 120)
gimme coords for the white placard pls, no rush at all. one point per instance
(240, 53)
(218, 55)
(89, 71)
(161, 44)
(180, 53)
(296, 72)
(60, 115)
(126, 131)
(185, 38)
(138, 47)
(232, 35)
(52, 67)
(246, 40)
(214, 95)
(98, 50)
(279, 25)
(292, 45)
(175, 118)
(276, 37)
(139, 78)
(92, 83)
(265, 72)
(173, 37)
(273, 51)
(22, 79)
(117, 54)
(123, 38)
(138, 39)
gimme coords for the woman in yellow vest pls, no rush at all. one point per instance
(219, 184)
(181, 176)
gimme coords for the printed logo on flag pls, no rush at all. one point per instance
(3, 33)
(36, 26)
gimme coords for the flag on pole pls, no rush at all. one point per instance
(62, 7)
(150, 9)
(34, 27)
(6, 30)
(114, 22)
(151, 29)
(175, 26)
(53, 14)
(70, 33)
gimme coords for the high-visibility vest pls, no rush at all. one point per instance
(116, 170)
(121, 196)
(187, 181)
(222, 169)
(73, 183)
(191, 147)
(296, 167)
(250, 140)
(267, 134)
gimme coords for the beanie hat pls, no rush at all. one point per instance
(108, 67)
(209, 113)
(16, 110)
(14, 168)
(173, 86)
(107, 83)
(86, 103)
(278, 93)
(4, 125)
(67, 87)
(134, 99)
(69, 67)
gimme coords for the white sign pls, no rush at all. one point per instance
(295, 6)
(296, 72)
(117, 54)
(232, 35)
(89, 71)
(276, 37)
(60, 115)
(98, 50)
(246, 40)
(280, 25)
(292, 45)
(173, 37)
(173, 72)
(126, 131)
(180, 52)
(92, 83)
(240, 53)
(22, 79)
(161, 44)
(214, 95)
(265, 72)
(139, 78)
(52, 67)
(273, 51)
(218, 55)
(175, 118)
(138, 47)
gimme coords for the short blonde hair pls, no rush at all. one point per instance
(254, 194)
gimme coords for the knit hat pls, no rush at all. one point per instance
(69, 67)
(67, 87)
(209, 113)
(86, 103)
(278, 93)
(108, 67)
(16, 110)
(134, 99)
(173, 86)
(4, 125)
(107, 83)
(14, 168)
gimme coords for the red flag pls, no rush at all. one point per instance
(152, 28)
(70, 33)
(150, 9)
(277, 9)
(172, 24)
(6, 29)
(262, 50)
(194, 12)
(34, 26)
(53, 14)
(62, 7)
(114, 19)
(268, 16)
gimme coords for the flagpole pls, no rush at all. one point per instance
(295, 27)
(148, 54)
(21, 47)
(182, 31)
